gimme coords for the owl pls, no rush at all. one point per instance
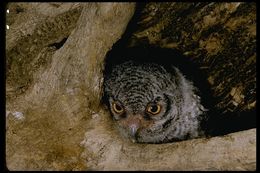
(153, 103)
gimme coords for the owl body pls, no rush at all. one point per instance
(153, 104)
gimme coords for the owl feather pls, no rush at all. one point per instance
(153, 103)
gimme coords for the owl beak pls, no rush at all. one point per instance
(133, 123)
(133, 130)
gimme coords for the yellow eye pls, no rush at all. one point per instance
(117, 108)
(153, 109)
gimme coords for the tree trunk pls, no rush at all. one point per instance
(54, 62)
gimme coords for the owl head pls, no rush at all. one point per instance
(144, 100)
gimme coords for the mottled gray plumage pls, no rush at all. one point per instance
(132, 86)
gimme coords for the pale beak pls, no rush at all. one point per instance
(133, 130)
(133, 123)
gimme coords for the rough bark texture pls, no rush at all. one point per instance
(48, 105)
(220, 37)
(235, 151)
(54, 61)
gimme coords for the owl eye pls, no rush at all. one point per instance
(153, 109)
(117, 108)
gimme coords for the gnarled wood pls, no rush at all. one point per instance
(55, 57)
(236, 151)
(52, 86)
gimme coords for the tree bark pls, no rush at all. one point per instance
(53, 87)
(54, 62)
(220, 37)
(235, 151)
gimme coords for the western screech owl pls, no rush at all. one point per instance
(153, 104)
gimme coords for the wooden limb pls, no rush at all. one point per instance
(58, 67)
(105, 150)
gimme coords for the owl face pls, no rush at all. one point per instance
(134, 120)
(140, 101)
